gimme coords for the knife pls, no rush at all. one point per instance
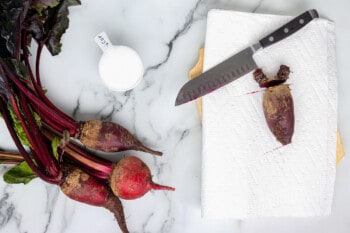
(240, 63)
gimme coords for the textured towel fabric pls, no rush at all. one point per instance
(245, 171)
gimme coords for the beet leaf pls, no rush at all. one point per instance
(10, 12)
(57, 24)
(40, 5)
(19, 69)
(18, 128)
(20, 173)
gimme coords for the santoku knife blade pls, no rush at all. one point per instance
(239, 64)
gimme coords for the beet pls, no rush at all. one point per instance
(84, 188)
(279, 112)
(131, 179)
(110, 137)
(278, 104)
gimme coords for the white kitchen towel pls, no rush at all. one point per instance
(245, 171)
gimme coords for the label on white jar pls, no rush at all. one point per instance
(103, 41)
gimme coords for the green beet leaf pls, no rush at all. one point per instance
(55, 144)
(59, 143)
(18, 68)
(73, 2)
(11, 14)
(18, 128)
(18, 174)
(3, 88)
(45, 20)
(57, 24)
(40, 5)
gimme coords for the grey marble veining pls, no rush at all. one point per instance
(167, 35)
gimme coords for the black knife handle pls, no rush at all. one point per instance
(289, 28)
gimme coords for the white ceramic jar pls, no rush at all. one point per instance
(120, 67)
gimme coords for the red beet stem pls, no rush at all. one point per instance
(21, 149)
(26, 58)
(40, 160)
(97, 166)
(38, 86)
(10, 156)
(36, 82)
(45, 111)
(31, 140)
(37, 61)
(38, 143)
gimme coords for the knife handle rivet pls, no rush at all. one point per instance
(286, 30)
(271, 39)
(301, 21)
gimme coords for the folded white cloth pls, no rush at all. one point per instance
(244, 172)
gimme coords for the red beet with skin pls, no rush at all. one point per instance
(84, 188)
(110, 137)
(279, 112)
(131, 179)
(278, 104)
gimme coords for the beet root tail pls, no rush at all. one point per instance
(115, 206)
(143, 148)
(156, 186)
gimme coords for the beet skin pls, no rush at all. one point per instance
(110, 137)
(279, 112)
(131, 179)
(84, 188)
(277, 104)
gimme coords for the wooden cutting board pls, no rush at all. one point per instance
(197, 70)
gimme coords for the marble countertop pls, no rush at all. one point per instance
(167, 35)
